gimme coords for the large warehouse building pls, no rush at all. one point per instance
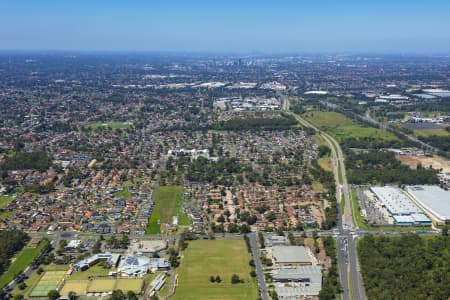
(295, 282)
(400, 207)
(434, 200)
(292, 256)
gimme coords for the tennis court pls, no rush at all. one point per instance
(49, 281)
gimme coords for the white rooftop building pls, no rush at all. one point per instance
(292, 256)
(433, 199)
(400, 207)
(296, 282)
(139, 265)
(322, 93)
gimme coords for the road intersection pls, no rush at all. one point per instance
(350, 277)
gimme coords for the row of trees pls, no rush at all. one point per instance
(11, 241)
(283, 122)
(440, 142)
(330, 286)
(327, 180)
(203, 169)
(371, 143)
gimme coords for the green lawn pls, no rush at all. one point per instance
(317, 186)
(124, 193)
(168, 201)
(356, 214)
(325, 163)
(5, 200)
(22, 261)
(342, 127)
(112, 125)
(320, 140)
(340, 177)
(327, 119)
(94, 271)
(204, 258)
(165, 289)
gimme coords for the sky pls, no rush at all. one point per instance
(247, 26)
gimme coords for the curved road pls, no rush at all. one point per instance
(350, 277)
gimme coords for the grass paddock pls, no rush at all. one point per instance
(205, 258)
(342, 127)
(168, 200)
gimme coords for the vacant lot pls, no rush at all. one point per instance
(342, 127)
(23, 260)
(168, 200)
(436, 162)
(204, 258)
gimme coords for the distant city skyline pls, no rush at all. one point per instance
(227, 26)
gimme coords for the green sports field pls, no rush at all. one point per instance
(83, 287)
(101, 285)
(49, 281)
(204, 258)
(112, 125)
(77, 286)
(168, 201)
(126, 284)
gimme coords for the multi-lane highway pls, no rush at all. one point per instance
(346, 233)
(348, 265)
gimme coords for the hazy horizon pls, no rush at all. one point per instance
(273, 27)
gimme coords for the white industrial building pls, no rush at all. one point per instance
(400, 207)
(292, 256)
(297, 282)
(434, 200)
